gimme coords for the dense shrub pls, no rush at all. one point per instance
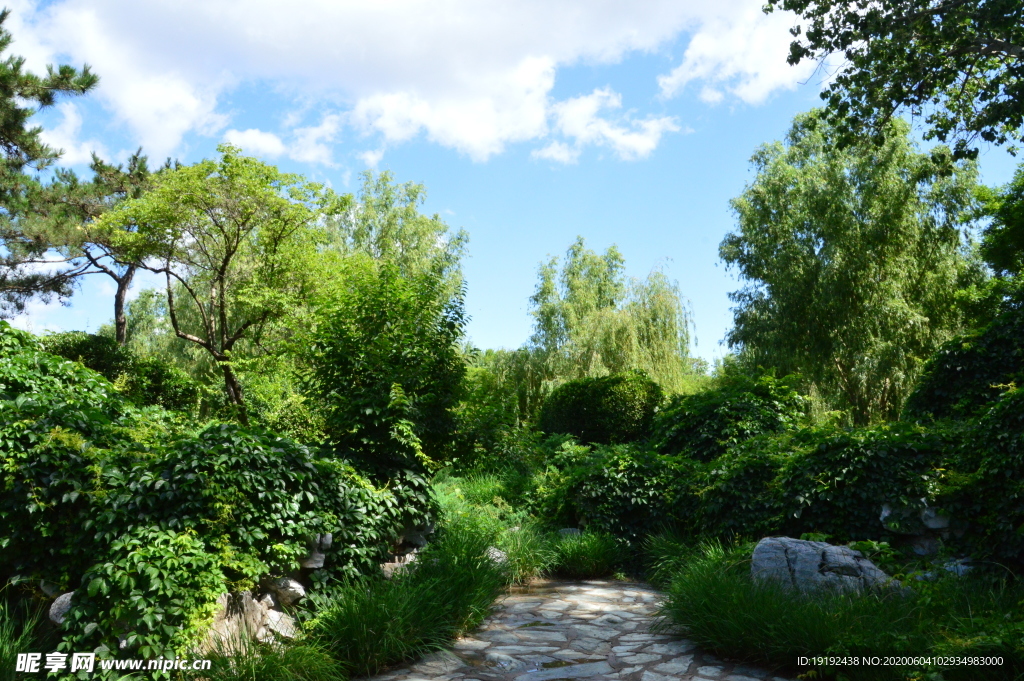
(970, 372)
(623, 490)
(606, 410)
(589, 555)
(985, 486)
(144, 380)
(149, 523)
(705, 425)
(386, 367)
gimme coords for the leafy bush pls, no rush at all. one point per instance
(386, 367)
(589, 555)
(144, 380)
(984, 487)
(610, 409)
(970, 372)
(719, 606)
(370, 624)
(622, 490)
(149, 523)
(703, 426)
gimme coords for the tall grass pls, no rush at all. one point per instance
(249, 660)
(715, 602)
(18, 634)
(370, 624)
(589, 555)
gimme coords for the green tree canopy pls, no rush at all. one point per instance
(21, 94)
(852, 260)
(1002, 242)
(959, 64)
(590, 320)
(234, 238)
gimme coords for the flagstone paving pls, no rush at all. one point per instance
(555, 631)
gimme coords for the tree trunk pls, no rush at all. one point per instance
(124, 282)
(234, 391)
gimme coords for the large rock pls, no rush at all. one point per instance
(811, 565)
(315, 557)
(239, 618)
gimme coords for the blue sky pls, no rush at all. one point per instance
(529, 123)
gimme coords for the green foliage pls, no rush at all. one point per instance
(956, 65)
(154, 591)
(386, 367)
(20, 191)
(148, 523)
(969, 373)
(590, 555)
(610, 409)
(854, 259)
(1002, 241)
(712, 597)
(621, 490)
(144, 380)
(249, 660)
(17, 635)
(984, 488)
(591, 321)
(235, 239)
(706, 424)
(370, 624)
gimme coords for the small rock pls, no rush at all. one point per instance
(569, 532)
(287, 590)
(497, 556)
(59, 608)
(281, 624)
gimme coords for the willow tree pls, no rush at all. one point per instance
(591, 320)
(852, 260)
(235, 239)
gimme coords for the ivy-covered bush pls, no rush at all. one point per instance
(147, 522)
(985, 483)
(703, 426)
(607, 410)
(144, 380)
(970, 372)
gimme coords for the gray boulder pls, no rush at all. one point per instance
(287, 590)
(497, 556)
(812, 565)
(569, 532)
(59, 608)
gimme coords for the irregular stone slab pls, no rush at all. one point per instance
(641, 658)
(677, 666)
(576, 671)
(710, 671)
(671, 648)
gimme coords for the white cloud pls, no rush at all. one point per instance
(743, 53)
(255, 141)
(311, 143)
(472, 75)
(370, 157)
(65, 136)
(579, 119)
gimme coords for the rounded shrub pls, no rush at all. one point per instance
(705, 425)
(606, 410)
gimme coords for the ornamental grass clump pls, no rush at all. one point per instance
(589, 555)
(371, 623)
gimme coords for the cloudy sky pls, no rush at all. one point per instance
(529, 122)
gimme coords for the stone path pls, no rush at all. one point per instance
(554, 631)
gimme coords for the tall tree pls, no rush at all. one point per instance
(591, 320)
(21, 94)
(233, 238)
(957, 63)
(65, 219)
(852, 260)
